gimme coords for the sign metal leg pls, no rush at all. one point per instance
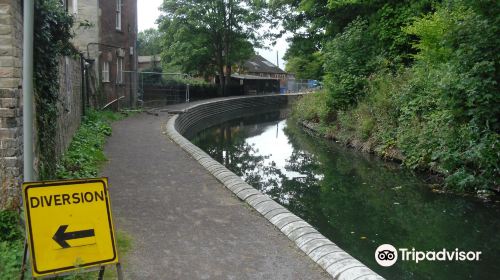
(101, 273)
(25, 255)
(119, 271)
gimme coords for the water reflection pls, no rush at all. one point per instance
(357, 201)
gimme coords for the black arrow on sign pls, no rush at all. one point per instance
(61, 236)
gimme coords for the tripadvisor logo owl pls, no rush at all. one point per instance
(387, 255)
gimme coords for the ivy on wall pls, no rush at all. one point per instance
(53, 32)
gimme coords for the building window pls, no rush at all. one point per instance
(105, 72)
(119, 70)
(118, 14)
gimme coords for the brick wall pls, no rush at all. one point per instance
(125, 39)
(10, 99)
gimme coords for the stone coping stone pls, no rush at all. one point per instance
(325, 253)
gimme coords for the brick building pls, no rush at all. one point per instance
(108, 40)
(261, 67)
(116, 60)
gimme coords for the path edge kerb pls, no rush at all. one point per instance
(334, 260)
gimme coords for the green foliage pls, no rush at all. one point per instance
(11, 245)
(85, 154)
(426, 91)
(124, 242)
(149, 42)
(312, 108)
(349, 59)
(53, 32)
(306, 67)
(11, 254)
(451, 106)
(209, 37)
(9, 226)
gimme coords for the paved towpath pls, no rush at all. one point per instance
(184, 223)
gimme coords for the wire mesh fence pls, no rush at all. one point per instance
(156, 89)
(297, 86)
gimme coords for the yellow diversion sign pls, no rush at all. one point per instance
(69, 225)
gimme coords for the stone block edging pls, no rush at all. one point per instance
(322, 251)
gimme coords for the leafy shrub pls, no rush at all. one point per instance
(9, 226)
(11, 245)
(85, 154)
(442, 112)
(52, 36)
(349, 60)
(306, 67)
(450, 108)
(312, 107)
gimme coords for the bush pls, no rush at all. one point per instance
(441, 113)
(349, 60)
(85, 154)
(451, 105)
(52, 38)
(312, 107)
(11, 245)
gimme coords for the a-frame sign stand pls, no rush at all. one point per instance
(119, 271)
(79, 234)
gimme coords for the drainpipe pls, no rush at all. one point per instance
(28, 33)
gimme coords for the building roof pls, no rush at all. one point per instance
(251, 77)
(148, 58)
(258, 64)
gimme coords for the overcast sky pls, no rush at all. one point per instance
(148, 13)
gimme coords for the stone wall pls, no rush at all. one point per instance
(10, 102)
(70, 102)
(69, 106)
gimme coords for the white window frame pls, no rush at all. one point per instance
(105, 72)
(119, 70)
(119, 15)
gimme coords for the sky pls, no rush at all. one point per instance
(148, 13)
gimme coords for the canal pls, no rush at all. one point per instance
(357, 200)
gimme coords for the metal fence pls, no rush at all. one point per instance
(296, 86)
(158, 89)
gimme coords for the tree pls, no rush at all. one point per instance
(306, 67)
(149, 42)
(315, 23)
(208, 37)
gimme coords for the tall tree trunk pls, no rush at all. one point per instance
(220, 66)
(228, 79)
(222, 81)
(227, 43)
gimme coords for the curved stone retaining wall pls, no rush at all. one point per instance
(328, 255)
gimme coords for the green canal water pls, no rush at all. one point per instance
(356, 200)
